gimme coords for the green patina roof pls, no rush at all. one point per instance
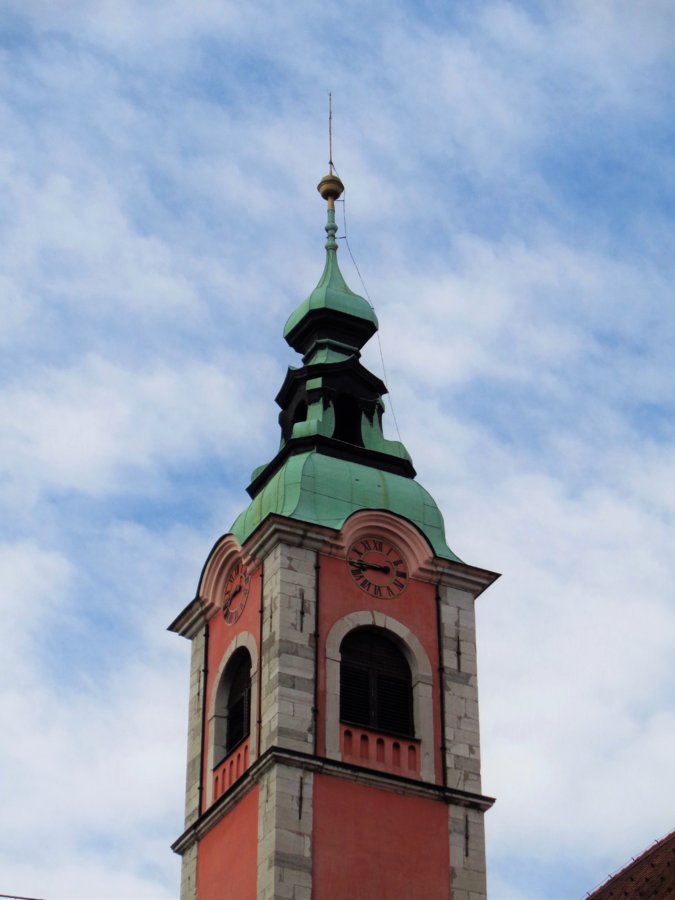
(323, 490)
(332, 292)
(328, 466)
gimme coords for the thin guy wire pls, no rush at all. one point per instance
(365, 290)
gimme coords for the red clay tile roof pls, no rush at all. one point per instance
(649, 877)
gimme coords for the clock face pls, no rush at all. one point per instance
(236, 592)
(378, 567)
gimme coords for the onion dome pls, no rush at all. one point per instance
(333, 319)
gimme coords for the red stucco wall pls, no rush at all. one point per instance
(371, 844)
(228, 855)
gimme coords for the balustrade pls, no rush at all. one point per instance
(380, 751)
(230, 769)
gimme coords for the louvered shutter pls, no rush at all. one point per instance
(239, 703)
(354, 695)
(375, 683)
(393, 704)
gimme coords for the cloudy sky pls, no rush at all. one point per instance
(510, 204)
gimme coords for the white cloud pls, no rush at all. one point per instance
(32, 578)
(509, 175)
(98, 428)
(93, 722)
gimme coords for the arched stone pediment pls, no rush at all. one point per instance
(396, 529)
(225, 553)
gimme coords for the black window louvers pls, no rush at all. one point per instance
(375, 683)
(354, 695)
(394, 705)
(239, 704)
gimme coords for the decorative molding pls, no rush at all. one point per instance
(320, 765)
(423, 564)
(212, 582)
(189, 622)
(464, 577)
(276, 529)
(399, 531)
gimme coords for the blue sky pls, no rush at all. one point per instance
(511, 205)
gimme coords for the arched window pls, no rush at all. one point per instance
(375, 683)
(232, 721)
(239, 700)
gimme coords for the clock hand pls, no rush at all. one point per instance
(228, 600)
(365, 565)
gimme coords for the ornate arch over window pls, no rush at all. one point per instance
(409, 646)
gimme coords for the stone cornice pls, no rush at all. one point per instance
(321, 765)
(463, 576)
(276, 529)
(189, 622)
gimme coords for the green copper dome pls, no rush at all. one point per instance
(324, 490)
(332, 314)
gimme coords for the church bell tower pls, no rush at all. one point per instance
(333, 741)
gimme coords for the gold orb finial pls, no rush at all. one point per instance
(330, 187)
